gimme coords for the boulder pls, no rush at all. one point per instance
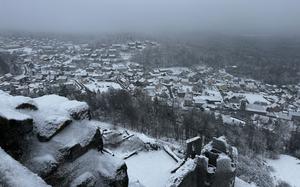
(24, 103)
(54, 138)
(57, 105)
(51, 126)
(79, 149)
(86, 179)
(14, 126)
(66, 146)
(101, 169)
(44, 165)
(27, 106)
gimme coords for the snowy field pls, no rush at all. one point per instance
(286, 168)
(151, 169)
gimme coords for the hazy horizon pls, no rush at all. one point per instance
(92, 16)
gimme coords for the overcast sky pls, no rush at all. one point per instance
(94, 16)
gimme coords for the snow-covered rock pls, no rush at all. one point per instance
(57, 105)
(43, 165)
(86, 179)
(13, 174)
(186, 175)
(65, 147)
(51, 126)
(16, 102)
(75, 140)
(107, 170)
(14, 125)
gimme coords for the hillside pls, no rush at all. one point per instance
(51, 140)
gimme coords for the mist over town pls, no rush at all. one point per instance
(136, 93)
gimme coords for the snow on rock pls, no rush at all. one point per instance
(64, 148)
(8, 105)
(86, 179)
(13, 174)
(14, 125)
(214, 166)
(124, 143)
(151, 169)
(106, 169)
(78, 110)
(220, 144)
(286, 168)
(69, 144)
(9, 115)
(51, 126)
(224, 164)
(57, 105)
(43, 164)
(78, 133)
(16, 102)
(128, 146)
(21, 102)
(180, 175)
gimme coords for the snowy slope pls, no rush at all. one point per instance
(146, 168)
(151, 169)
(287, 168)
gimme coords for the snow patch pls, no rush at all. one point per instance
(286, 168)
(151, 169)
(12, 173)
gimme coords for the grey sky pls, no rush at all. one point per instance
(245, 16)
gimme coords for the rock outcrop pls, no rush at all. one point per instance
(14, 125)
(215, 167)
(60, 144)
(51, 126)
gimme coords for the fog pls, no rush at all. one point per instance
(96, 16)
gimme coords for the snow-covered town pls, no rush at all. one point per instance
(45, 63)
(64, 143)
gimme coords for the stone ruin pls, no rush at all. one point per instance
(194, 146)
(214, 166)
(51, 141)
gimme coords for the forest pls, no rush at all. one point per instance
(269, 59)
